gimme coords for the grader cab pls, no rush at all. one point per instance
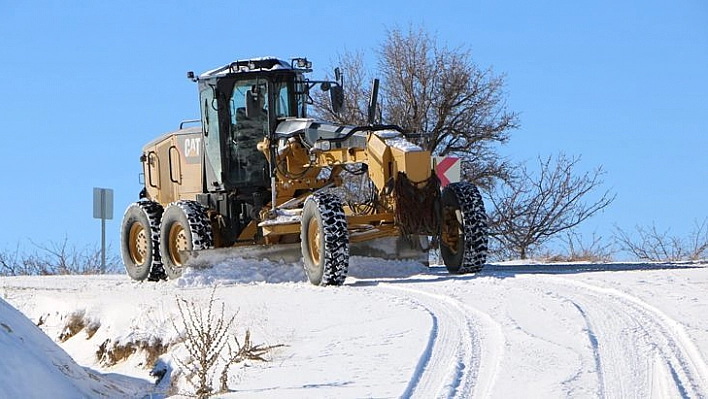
(259, 173)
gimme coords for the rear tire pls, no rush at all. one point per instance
(463, 239)
(139, 240)
(185, 228)
(324, 240)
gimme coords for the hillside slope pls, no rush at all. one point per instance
(399, 329)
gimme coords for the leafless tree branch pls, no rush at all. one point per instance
(57, 258)
(531, 208)
(651, 244)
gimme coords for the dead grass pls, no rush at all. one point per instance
(575, 257)
(110, 353)
(91, 329)
(74, 324)
(207, 332)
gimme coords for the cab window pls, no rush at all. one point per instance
(247, 165)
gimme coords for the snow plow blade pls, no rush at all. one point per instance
(385, 248)
(394, 248)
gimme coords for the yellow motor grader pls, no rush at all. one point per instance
(258, 173)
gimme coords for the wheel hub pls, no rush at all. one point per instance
(178, 243)
(313, 238)
(138, 244)
(451, 229)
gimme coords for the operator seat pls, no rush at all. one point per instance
(246, 134)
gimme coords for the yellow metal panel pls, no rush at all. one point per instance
(380, 161)
(249, 232)
(151, 171)
(186, 161)
(416, 164)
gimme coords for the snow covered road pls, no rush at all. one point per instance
(402, 330)
(459, 337)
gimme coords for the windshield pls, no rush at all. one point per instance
(281, 93)
(247, 165)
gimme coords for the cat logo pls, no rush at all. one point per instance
(192, 146)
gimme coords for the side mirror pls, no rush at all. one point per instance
(336, 94)
(253, 104)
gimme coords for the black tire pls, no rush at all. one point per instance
(324, 240)
(184, 228)
(139, 240)
(464, 237)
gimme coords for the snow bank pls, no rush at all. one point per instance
(394, 329)
(34, 366)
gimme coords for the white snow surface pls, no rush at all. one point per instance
(403, 145)
(283, 216)
(395, 329)
(395, 139)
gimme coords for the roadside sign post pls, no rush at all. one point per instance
(103, 209)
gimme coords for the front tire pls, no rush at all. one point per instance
(324, 240)
(463, 239)
(139, 240)
(185, 228)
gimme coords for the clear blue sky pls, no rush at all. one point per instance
(87, 83)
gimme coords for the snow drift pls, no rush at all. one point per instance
(395, 329)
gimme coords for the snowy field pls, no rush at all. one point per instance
(394, 329)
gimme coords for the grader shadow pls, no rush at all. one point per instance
(436, 274)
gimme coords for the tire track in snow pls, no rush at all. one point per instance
(631, 338)
(464, 349)
(595, 347)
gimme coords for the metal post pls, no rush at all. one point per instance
(103, 209)
(103, 231)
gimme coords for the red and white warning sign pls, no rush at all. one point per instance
(448, 169)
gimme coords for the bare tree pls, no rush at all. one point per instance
(531, 209)
(440, 91)
(697, 243)
(432, 89)
(56, 258)
(13, 264)
(650, 244)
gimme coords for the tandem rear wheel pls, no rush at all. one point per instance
(139, 241)
(184, 228)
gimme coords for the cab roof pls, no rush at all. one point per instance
(249, 65)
